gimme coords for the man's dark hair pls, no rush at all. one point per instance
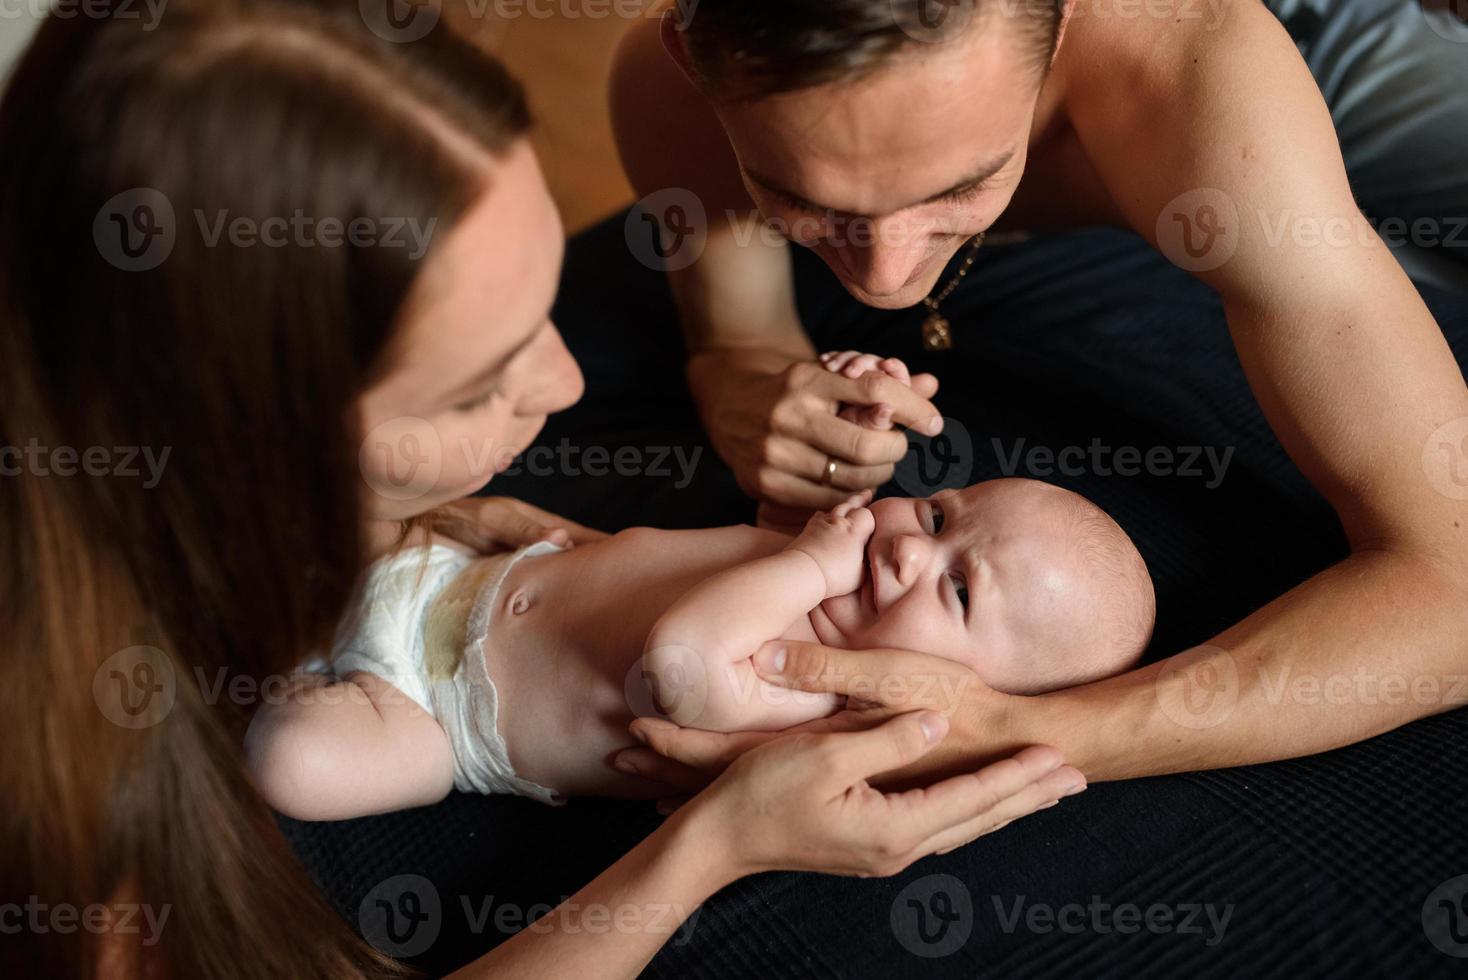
(748, 49)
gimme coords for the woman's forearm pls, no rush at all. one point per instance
(615, 925)
(1367, 645)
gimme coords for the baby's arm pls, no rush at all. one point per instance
(338, 749)
(698, 653)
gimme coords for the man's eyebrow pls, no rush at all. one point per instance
(973, 180)
(474, 384)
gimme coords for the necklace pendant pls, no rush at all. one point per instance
(937, 333)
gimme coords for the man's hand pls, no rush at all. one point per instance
(853, 364)
(774, 420)
(498, 523)
(836, 541)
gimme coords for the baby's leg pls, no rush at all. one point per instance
(338, 749)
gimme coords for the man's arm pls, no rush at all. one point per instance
(769, 408)
(1225, 137)
(740, 293)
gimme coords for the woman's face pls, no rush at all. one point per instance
(479, 365)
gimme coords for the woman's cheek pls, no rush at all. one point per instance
(477, 445)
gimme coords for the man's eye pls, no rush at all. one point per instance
(960, 588)
(936, 509)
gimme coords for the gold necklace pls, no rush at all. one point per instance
(937, 331)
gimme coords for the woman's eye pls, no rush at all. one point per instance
(476, 403)
(960, 588)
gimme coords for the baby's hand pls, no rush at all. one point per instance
(854, 364)
(837, 540)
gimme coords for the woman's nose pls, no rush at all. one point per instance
(555, 381)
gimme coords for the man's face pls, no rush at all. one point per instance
(888, 176)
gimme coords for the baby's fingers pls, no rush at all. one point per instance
(896, 369)
(877, 417)
(861, 364)
(835, 360)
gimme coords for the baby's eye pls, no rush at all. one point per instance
(935, 509)
(960, 588)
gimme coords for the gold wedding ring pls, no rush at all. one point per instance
(830, 471)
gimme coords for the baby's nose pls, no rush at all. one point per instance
(910, 554)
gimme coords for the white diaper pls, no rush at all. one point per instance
(430, 644)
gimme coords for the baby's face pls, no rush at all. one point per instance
(988, 576)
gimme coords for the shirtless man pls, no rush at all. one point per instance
(886, 134)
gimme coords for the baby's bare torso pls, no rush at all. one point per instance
(567, 635)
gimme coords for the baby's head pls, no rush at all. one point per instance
(1032, 586)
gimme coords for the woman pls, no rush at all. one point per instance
(240, 313)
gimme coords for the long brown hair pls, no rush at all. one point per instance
(241, 364)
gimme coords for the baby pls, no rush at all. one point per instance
(520, 672)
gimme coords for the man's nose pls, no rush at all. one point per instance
(881, 256)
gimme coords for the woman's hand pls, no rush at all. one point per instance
(774, 419)
(803, 803)
(877, 684)
(500, 523)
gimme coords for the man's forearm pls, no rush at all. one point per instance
(740, 294)
(1367, 645)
